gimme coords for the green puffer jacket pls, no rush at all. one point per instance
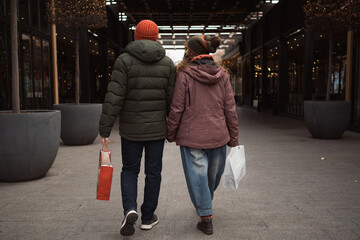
(140, 92)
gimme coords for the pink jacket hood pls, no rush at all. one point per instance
(205, 73)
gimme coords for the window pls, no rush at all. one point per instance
(320, 67)
(24, 11)
(337, 88)
(95, 75)
(272, 1)
(257, 73)
(272, 54)
(27, 84)
(122, 17)
(46, 73)
(38, 88)
(35, 14)
(271, 87)
(35, 72)
(2, 7)
(45, 26)
(356, 87)
(295, 44)
(111, 57)
(66, 69)
(246, 79)
(111, 2)
(7, 7)
(4, 74)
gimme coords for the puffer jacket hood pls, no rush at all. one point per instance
(146, 50)
(206, 73)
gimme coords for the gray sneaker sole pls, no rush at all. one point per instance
(149, 226)
(127, 228)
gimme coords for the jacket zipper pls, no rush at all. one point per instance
(189, 96)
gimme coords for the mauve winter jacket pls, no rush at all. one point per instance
(203, 111)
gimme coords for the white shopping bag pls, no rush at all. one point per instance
(235, 167)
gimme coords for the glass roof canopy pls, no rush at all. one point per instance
(179, 20)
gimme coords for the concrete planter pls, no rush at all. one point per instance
(29, 143)
(327, 119)
(79, 123)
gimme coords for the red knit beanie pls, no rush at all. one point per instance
(146, 29)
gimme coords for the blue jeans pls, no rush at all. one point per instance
(203, 169)
(131, 158)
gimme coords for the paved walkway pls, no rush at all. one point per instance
(289, 192)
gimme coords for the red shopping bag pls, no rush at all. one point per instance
(104, 174)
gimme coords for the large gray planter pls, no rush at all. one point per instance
(327, 119)
(79, 123)
(29, 142)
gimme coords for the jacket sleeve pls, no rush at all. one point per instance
(170, 88)
(177, 106)
(231, 115)
(114, 98)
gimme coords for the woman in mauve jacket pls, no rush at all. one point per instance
(202, 120)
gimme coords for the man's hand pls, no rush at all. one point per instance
(105, 140)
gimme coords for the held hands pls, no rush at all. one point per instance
(170, 139)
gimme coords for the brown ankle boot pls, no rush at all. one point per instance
(205, 225)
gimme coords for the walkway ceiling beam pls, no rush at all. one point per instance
(175, 13)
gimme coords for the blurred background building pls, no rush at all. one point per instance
(275, 64)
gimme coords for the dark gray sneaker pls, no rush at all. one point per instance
(149, 225)
(127, 226)
(205, 225)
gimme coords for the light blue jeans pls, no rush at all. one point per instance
(203, 169)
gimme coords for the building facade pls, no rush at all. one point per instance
(281, 64)
(98, 50)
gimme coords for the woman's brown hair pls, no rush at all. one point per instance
(188, 55)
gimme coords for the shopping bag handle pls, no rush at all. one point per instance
(105, 147)
(104, 150)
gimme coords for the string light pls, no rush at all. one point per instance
(79, 13)
(331, 14)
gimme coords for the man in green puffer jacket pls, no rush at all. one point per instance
(140, 93)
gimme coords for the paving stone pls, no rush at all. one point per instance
(288, 191)
(92, 235)
(42, 234)
(343, 235)
(309, 223)
(295, 234)
(357, 230)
